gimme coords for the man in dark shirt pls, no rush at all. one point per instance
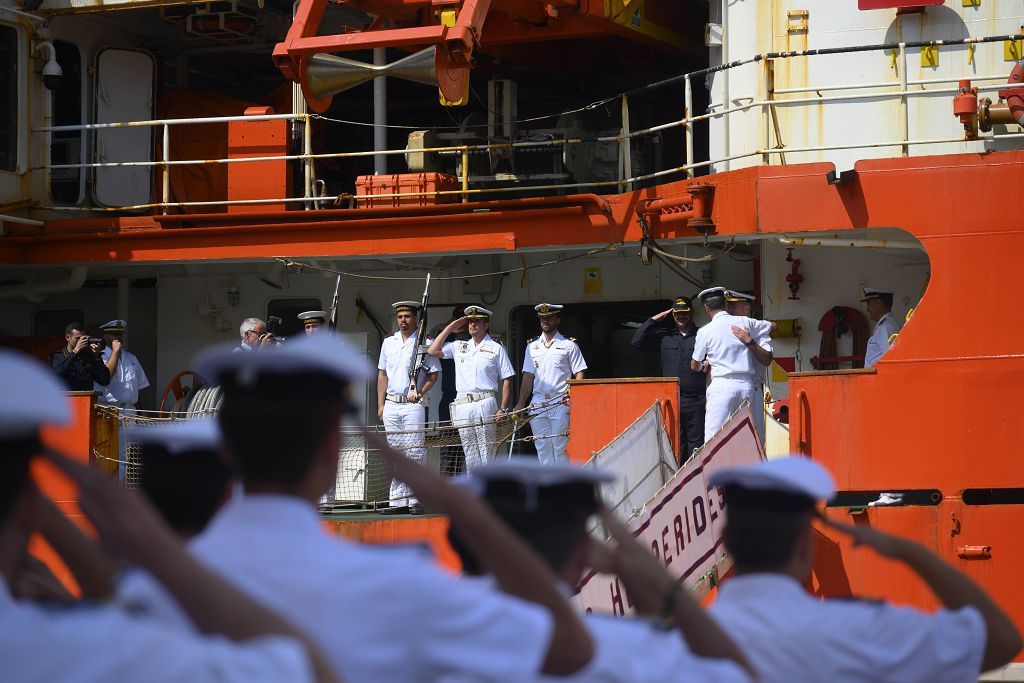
(79, 363)
(675, 343)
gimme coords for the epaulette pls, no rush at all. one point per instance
(532, 339)
(572, 339)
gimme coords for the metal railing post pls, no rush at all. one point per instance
(687, 115)
(165, 153)
(904, 107)
(625, 154)
(465, 175)
(307, 162)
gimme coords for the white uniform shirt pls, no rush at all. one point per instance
(478, 367)
(633, 651)
(395, 358)
(878, 344)
(789, 635)
(102, 644)
(552, 364)
(125, 381)
(728, 356)
(377, 613)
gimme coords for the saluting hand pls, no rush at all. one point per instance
(459, 324)
(886, 545)
(662, 315)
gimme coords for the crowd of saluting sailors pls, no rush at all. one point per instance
(219, 568)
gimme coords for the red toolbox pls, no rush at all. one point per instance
(376, 190)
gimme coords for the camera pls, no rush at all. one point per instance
(96, 341)
(273, 325)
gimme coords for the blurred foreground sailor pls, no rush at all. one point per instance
(550, 362)
(549, 507)
(790, 635)
(400, 407)
(879, 305)
(100, 644)
(379, 613)
(313, 321)
(736, 350)
(483, 380)
(675, 344)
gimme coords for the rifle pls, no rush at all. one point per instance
(333, 323)
(419, 349)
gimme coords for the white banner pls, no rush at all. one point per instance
(682, 523)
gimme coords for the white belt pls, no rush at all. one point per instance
(396, 398)
(546, 397)
(474, 396)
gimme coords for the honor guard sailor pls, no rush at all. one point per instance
(549, 507)
(313, 321)
(551, 360)
(735, 365)
(483, 382)
(398, 406)
(280, 420)
(72, 644)
(879, 305)
(790, 635)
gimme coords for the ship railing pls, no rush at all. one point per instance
(767, 101)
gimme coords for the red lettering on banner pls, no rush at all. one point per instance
(677, 525)
(664, 547)
(617, 607)
(655, 548)
(686, 513)
(711, 505)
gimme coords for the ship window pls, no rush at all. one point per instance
(288, 310)
(8, 99)
(66, 147)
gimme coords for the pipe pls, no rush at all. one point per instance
(4, 218)
(853, 242)
(695, 209)
(37, 290)
(212, 219)
(380, 113)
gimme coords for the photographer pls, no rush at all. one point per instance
(80, 363)
(255, 335)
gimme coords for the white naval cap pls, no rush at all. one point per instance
(733, 295)
(477, 313)
(874, 292)
(318, 353)
(115, 326)
(178, 436)
(711, 291)
(313, 316)
(400, 306)
(793, 474)
(30, 396)
(548, 309)
(532, 475)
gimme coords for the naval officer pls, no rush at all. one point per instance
(790, 635)
(313, 321)
(675, 345)
(127, 377)
(57, 645)
(483, 372)
(879, 305)
(399, 405)
(415, 622)
(549, 507)
(550, 361)
(734, 364)
(739, 304)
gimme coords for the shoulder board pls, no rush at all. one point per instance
(532, 339)
(572, 339)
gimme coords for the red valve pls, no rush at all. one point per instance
(794, 278)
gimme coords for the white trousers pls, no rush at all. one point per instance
(476, 430)
(405, 417)
(724, 396)
(547, 420)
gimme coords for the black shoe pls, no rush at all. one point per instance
(416, 509)
(396, 510)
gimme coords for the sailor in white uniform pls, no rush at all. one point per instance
(879, 305)
(550, 361)
(101, 643)
(313, 321)
(735, 365)
(127, 377)
(400, 406)
(739, 304)
(549, 506)
(483, 382)
(790, 635)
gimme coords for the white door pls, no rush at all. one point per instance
(124, 92)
